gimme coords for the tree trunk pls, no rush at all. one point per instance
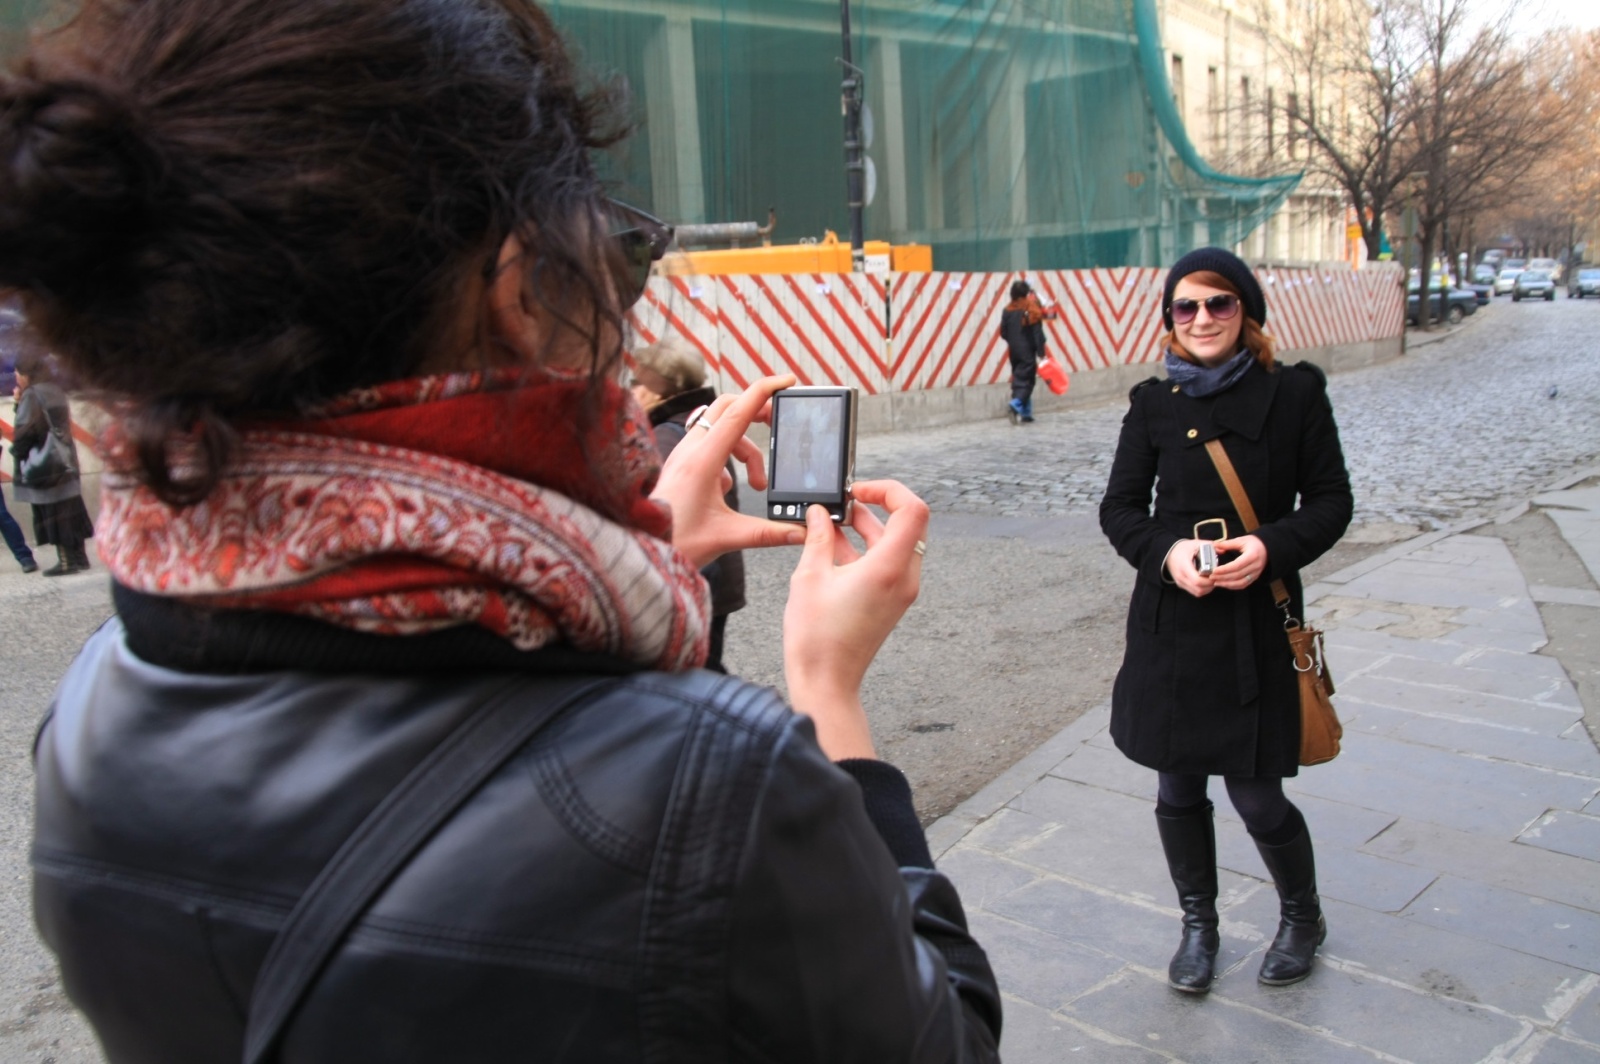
(1424, 270)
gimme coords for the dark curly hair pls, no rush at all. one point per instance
(222, 209)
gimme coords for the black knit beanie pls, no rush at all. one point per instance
(1225, 263)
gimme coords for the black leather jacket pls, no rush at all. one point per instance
(672, 871)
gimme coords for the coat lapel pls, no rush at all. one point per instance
(1243, 408)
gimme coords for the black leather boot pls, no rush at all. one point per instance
(62, 566)
(1301, 927)
(1190, 843)
(79, 557)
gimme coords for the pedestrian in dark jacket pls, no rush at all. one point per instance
(1208, 687)
(1022, 328)
(12, 340)
(59, 516)
(377, 502)
(670, 381)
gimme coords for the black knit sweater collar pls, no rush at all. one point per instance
(197, 639)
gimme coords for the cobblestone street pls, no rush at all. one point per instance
(1461, 427)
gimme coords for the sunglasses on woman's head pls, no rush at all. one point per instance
(1221, 308)
(642, 239)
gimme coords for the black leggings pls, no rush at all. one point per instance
(1259, 800)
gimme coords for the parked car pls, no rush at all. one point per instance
(1533, 284)
(1482, 283)
(1506, 279)
(1451, 305)
(1585, 281)
(1514, 264)
(1549, 267)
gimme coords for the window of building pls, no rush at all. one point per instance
(1214, 109)
(1271, 123)
(1246, 117)
(1291, 135)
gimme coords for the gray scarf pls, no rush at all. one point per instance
(1199, 381)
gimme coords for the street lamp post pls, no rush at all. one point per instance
(850, 90)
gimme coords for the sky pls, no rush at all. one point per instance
(1532, 17)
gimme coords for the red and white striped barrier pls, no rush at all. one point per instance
(1324, 308)
(922, 331)
(823, 328)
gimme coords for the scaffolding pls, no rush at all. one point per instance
(1006, 134)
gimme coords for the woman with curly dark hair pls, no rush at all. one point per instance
(397, 748)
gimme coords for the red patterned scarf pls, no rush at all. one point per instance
(417, 505)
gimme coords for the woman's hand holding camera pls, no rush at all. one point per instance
(695, 478)
(1243, 570)
(843, 604)
(1183, 567)
(1236, 574)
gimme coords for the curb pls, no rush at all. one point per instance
(998, 792)
(1415, 337)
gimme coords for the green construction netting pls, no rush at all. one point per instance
(1007, 134)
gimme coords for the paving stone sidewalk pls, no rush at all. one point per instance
(1458, 847)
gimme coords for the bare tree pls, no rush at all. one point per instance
(1476, 113)
(1407, 104)
(1342, 71)
(1564, 208)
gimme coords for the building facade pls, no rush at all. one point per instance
(1234, 67)
(1007, 135)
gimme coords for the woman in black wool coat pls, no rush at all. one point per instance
(1208, 687)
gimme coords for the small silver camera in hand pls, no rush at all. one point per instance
(812, 458)
(1205, 560)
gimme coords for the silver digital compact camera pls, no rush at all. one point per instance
(812, 456)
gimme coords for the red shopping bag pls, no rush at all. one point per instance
(1054, 376)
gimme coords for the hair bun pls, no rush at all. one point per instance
(75, 182)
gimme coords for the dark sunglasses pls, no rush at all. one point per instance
(1221, 308)
(641, 239)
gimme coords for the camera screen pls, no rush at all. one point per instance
(807, 455)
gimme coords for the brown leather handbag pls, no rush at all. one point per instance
(1320, 730)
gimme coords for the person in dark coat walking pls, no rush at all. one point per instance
(59, 515)
(1022, 328)
(12, 337)
(669, 380)
(1207, 686)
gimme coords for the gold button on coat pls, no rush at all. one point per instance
(1193, 433)
(1174, 387)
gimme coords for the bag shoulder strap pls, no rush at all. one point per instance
(387, 839)
(1231, 481)
(1241, 503)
